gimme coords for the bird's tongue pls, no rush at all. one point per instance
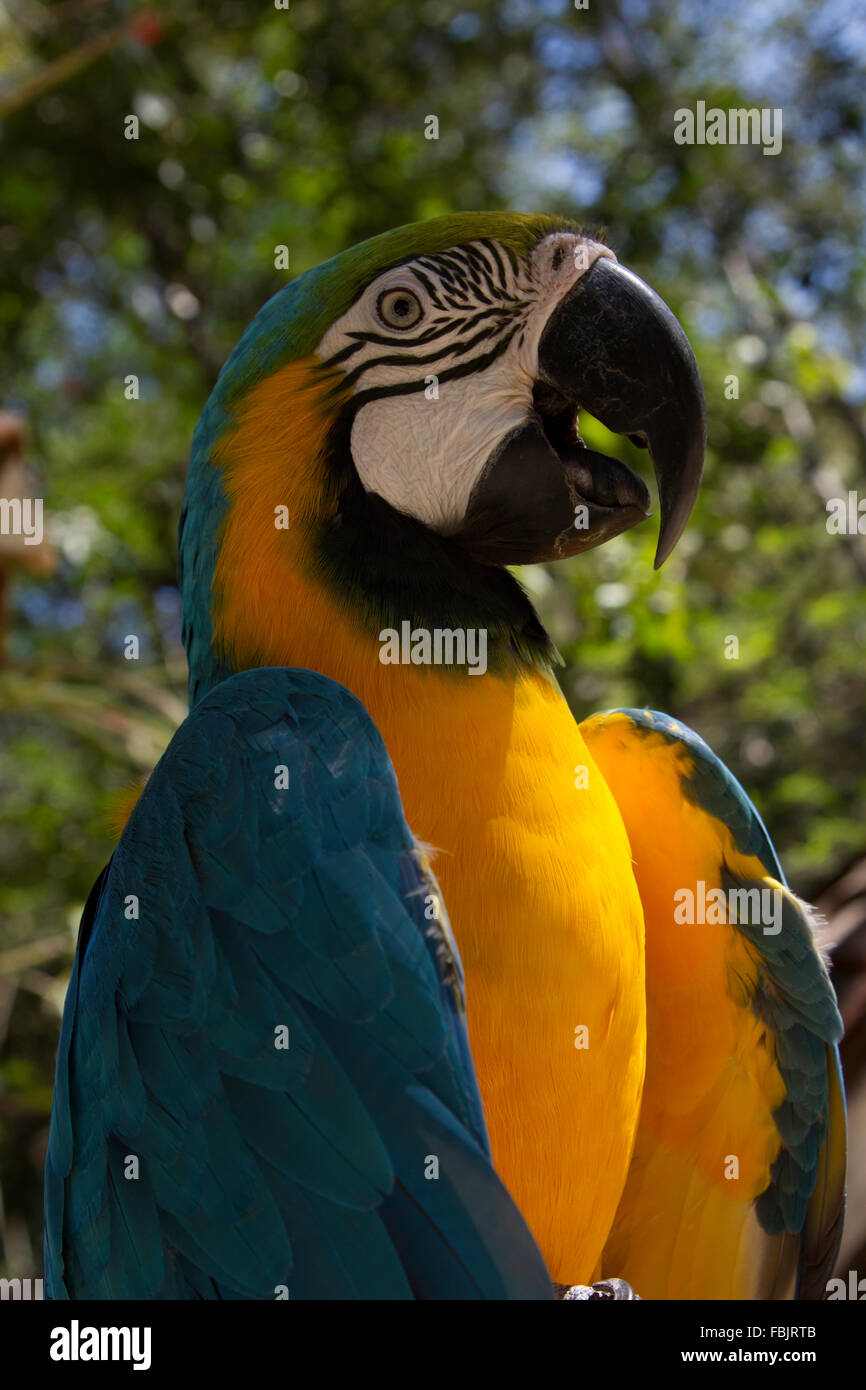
(604, 481)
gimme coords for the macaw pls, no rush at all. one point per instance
(282, 1072)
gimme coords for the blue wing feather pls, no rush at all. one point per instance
(190, 1157)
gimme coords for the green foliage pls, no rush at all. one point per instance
(305, 127)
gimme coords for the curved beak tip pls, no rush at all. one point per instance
(620, 349)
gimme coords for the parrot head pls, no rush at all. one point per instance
(402, 422)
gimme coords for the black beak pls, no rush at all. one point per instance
(613, 348)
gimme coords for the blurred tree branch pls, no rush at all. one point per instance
(145, 27)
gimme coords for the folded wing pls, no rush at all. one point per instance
(737, 1181)
(264, 1086)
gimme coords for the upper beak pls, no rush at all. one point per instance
(611, 347)
(614, 348)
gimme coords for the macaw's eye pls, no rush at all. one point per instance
(399, 308)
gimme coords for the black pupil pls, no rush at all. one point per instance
(401, 308)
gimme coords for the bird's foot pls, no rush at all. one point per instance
(605, 1289)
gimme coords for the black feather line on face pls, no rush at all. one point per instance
(451, 349)
(405, 388)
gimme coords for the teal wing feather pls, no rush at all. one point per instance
(264, 1085)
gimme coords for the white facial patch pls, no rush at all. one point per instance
(443, 352)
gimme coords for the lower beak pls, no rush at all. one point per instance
(613, 348)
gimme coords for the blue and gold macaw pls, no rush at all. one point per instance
(264, 1083)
